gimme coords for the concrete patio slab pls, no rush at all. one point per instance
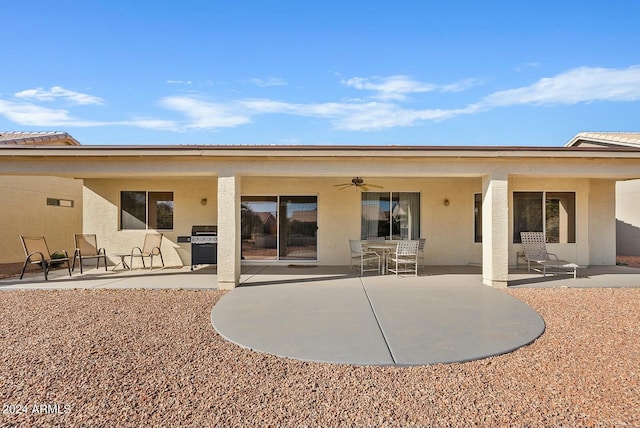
(328, 314)
(162, 278)
(332, 316)
(324, 321)
(450, 320)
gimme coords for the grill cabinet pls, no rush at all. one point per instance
(204, 245)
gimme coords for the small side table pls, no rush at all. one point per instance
(122, 262)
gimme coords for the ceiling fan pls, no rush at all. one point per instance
(358, 183)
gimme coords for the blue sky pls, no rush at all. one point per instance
(330, 72)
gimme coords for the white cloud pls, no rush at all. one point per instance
(383, 110)
(33, 115)
(204, 114)
(398, 87)
(580, 85)
(271, 81)
(351, 116)
(376, 116)
(57, 92)
(155, 124)
(389, 88)
(179, 82)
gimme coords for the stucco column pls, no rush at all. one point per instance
(495, 229)
(602, 222)
(229, 240)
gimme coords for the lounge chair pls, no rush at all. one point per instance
(87, 248)
(535, 251)
(405, 258)
(37, 252)
(363, 257)
(150, 248)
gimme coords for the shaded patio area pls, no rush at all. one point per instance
(252, 275)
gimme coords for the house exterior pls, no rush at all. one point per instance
(627, 192)
(287, 204)
(38, 205)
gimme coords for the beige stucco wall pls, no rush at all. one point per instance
(24, 211)
(448, 229)
(101, 214)
(602, 232)
(628, 216)
(595, 218)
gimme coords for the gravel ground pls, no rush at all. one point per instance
(151, 358)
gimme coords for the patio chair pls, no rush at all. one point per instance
(421, 245)
(37, 252)
(150, 248)
(405, 258)
(364, 257)
(87, 248)
(535, 251)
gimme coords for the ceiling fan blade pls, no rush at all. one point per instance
(375, 185)
(363, 187)
(343, 184)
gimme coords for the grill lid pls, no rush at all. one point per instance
(204, 230)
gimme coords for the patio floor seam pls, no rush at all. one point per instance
(251, 275)
(375, 316)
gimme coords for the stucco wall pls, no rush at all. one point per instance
(24, 211)
(628, 216)
(595, 218)
(602, 233)
(449, 229)
(101, 214)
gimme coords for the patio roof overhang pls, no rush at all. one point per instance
(620, 162)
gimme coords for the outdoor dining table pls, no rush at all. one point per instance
(385, 247)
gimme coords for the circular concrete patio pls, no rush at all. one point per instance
(376, 320)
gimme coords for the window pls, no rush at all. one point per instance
(477, 217)
(146, 210)
(60, 202)
(394, 215)
(550, 212)
(279, 227)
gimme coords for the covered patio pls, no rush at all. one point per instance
(469, 203)
(205, 277)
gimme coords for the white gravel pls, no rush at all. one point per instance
(151, 358)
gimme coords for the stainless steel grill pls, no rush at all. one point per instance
(204, 245)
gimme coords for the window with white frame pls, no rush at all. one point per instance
(553, 213)
(392, 215)
(146, 210)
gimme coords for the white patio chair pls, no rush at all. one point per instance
(421, 255)
(535, 251)
(365, 258)
(405, 258)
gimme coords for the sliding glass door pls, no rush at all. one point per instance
(279, 227)
(259, 225)
(298, 228)
(394, 215)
